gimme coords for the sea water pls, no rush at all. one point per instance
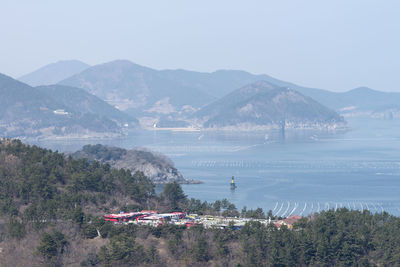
(291, 172)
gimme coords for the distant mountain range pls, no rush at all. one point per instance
(144, 91)
(263, 105)
(54, 72)
(139, 90)
(172, 98)
(361, 101)
(50, 111)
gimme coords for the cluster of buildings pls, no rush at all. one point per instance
(153, 218)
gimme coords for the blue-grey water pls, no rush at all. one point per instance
(289, 173)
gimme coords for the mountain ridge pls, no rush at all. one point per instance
(135, 88)
(79, 99)
(213, 85)
(54, 72)
(262, 105)
(46, 112)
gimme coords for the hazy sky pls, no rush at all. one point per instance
(336, 45)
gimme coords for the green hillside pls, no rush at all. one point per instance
(51, 208)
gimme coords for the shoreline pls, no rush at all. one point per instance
(243, 129)
(231, 129)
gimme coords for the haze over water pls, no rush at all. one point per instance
(294, 173)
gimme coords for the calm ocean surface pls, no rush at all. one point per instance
(290, 173)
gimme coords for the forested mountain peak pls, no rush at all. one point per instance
(263, 104)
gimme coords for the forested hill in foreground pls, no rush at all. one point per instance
(51, 207)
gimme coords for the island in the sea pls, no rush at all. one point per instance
(156, 166)
(264, 106)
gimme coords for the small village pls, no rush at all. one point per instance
(155, 219)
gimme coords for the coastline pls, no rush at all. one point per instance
(258, 128)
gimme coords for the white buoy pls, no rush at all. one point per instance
(295, 207)
(276, 214)
(276, 205)
(305, 206)
(287, 209)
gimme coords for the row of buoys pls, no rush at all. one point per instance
(349, 166)
(190, 148)
(286, 208)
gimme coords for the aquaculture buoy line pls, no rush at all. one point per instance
(288, 208)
